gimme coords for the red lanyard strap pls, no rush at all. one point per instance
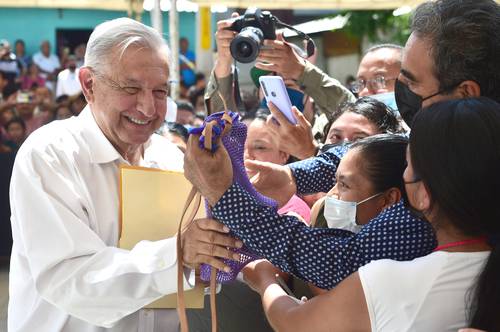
(481, 239)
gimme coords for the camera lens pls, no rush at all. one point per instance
(246, 45)
(244, 49)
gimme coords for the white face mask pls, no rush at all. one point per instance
(342, 214)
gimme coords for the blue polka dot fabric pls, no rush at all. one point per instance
(320, 255)
(317, 174)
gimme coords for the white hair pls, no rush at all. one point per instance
(114, 37)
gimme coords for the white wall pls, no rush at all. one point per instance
(340, 67)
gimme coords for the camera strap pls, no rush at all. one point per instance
(311, 46)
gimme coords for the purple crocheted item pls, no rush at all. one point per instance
(234, 142)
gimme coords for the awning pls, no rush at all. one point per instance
(313, 4)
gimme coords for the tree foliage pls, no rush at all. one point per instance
(380, 26)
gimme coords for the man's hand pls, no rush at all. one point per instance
(281, 58)
(297, 139)
(206, 240)
(223, 39)
(210, 173)
(272, 180)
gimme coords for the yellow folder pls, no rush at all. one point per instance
(151, 203)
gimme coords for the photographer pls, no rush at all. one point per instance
(327, 92)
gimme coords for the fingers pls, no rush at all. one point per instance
(224, 24)
(258, 166)
(212, 225)
(267, 66)
(283, 121)
(213, 261)
(301, 119)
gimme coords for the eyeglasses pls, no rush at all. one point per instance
(377, 83)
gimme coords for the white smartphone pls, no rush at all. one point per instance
(275, 92)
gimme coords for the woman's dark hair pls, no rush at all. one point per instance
(384, 160)
(375, 111)
(455, 151)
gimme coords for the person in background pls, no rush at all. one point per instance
(28, 109)
(200, 84)
(16, 129)
(67, 80)
(62, 112)
(196, 99)
(185, 113)
(453, 287)
(10, 66)
(20, 50)
(187, 63)
(77, 103)
(365, 117)
(3, 147)
(48, 64)
(32, 78)
(80, 54)
(378, 70)
(198, 120)
(175, 133)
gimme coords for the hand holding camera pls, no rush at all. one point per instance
(252, 29)
(223, 39)
(282, 58)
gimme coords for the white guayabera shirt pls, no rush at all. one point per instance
(66, 273)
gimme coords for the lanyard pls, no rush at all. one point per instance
(481, 239)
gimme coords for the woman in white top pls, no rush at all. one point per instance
(452, 179)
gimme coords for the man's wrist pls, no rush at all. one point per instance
(300, 69)
(214, 196)
(222, 68)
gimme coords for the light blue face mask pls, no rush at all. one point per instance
(388, 99)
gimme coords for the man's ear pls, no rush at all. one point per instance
(391, 197)
(468, 89)
(87, 82)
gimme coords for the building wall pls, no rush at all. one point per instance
(340, 67)
(35, 24)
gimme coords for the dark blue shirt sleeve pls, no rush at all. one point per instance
(321, 256)
(317, 174)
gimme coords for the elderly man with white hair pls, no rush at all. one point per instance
(67, 273)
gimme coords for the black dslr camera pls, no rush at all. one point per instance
(253, 27)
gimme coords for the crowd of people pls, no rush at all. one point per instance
(35, 90)
(385, 190)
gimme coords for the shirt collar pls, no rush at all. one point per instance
(101, 149)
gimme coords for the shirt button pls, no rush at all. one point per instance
(161, 265)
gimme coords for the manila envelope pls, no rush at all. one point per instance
(151, 203)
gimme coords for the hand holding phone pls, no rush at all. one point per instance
(275, 92)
